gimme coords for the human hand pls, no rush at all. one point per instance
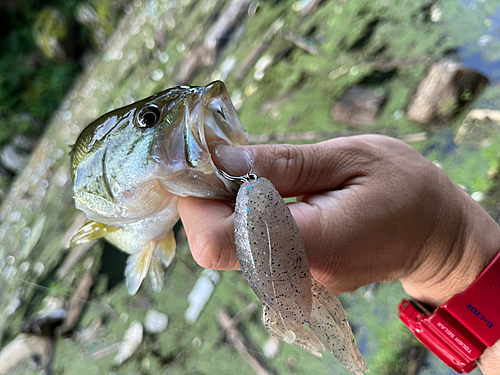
(370, 209)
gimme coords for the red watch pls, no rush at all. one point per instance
(461, 329)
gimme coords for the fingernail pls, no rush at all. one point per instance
(235, 160)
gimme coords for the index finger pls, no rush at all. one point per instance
(302, 169)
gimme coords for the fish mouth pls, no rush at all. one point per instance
(208, 119)
(216, 121)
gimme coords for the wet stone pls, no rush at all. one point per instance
(44, 323)
(157, 75)
(446, 88)
(359, 105)
(130, 343)
(480, 127)
(155, 321)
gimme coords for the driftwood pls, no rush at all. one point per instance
(234, 336)
(27, 347)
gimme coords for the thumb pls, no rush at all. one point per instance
(298, 169)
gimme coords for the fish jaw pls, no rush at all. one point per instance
(185, 164)
(219, 117)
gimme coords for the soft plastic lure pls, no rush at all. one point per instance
(296, 308)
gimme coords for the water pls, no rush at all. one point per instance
(483, 53)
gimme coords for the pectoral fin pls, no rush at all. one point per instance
(165, 249)
(91, 231)
(137, 268)
(163, 255)
(156, 274)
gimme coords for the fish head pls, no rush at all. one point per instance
(132, 162)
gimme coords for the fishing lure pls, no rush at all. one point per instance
(296, 308)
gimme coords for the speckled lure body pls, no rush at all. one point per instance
(274, 261)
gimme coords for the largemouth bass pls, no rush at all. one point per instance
(128, 169)
(129, 166)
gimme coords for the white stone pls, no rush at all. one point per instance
(131, 341)
(271, 347)
(155, 321)
(200, 294)
(477, 196)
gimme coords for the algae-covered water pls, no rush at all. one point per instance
(285, 64)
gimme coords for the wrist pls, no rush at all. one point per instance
(489, 362)
(451, 266)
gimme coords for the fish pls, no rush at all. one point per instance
(297, 309)
(129, 167)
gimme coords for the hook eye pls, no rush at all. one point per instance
(237, 179)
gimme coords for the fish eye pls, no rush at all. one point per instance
(148, 116)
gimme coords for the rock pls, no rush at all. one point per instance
(155, 322)
(200, 294)
(478, 196)
(45, 323)
(26, 346)
(480, 127)
(446, 88)
(359, 105)
(131, 341)
(484, 114)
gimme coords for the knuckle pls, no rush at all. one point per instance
(288, 161)
(356, 155)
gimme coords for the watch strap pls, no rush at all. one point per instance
(461, 329)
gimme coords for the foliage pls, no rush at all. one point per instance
(31, 85)
(42, 50)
